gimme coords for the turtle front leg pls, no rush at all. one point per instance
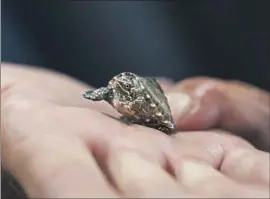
(130, 120)
(99, 94)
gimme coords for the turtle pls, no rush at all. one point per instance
(140, 100)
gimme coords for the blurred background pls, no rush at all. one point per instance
(94, 40)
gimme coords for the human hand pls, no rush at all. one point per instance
(203, 103)
(57, 138)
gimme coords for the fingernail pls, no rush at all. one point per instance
(180, 103)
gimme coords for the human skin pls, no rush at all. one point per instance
(58, 144)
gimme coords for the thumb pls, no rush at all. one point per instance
(203, 103)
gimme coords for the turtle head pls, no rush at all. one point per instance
(125, 86)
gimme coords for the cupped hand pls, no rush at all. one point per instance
(58, 144)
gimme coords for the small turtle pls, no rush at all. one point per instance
(140, 100)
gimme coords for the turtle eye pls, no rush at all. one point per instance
(127, 86)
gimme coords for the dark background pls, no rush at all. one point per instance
(94, 40)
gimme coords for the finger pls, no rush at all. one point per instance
(42, 117)
(205, 181)
(42, 84)
(246, 165)
(203, 103)
(219, 150)
(202, 179)
(207, 146)
(49, 162)
(57, 167)
(143, 140)
(152, 146)
(136, 176)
